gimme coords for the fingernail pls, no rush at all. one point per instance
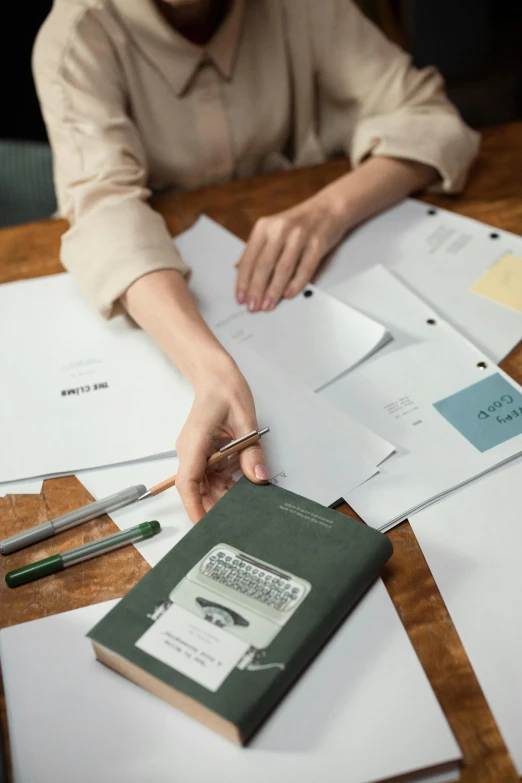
(240, 297)
(267, 304)
(252, 304)
(289, 291)
(261, 472)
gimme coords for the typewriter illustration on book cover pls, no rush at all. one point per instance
(246, 597)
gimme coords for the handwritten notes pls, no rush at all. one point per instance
(486, 413)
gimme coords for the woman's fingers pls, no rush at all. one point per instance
(190, 493)
(284, 251)
(262, 266)
(252, 462)
(261, 274)
(311, 258)
(221, 412)
(254, 246)
(280, 260)
(194, 447)
(251, 459)
(272, 253)
(216, 486)
(284, 269)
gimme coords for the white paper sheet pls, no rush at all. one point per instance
(441, 442)
(318, 447)
(31, 487)
(312, 448)
(167, 507)
(363, 711)
(472, 541)
(127, 400)
(313, 337)
(378, 292)
(439, 255)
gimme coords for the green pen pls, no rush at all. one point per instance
(51, 565)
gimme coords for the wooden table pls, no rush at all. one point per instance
(494, 195)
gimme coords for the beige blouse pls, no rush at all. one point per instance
(131, 106)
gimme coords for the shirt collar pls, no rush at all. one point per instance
(222, 47)
(173, 55)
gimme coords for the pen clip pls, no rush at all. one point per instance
(242, 439)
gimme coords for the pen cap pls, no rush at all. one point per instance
(51, 565)
(26, 538)
(149, 528)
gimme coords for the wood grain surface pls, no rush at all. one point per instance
(494, 195)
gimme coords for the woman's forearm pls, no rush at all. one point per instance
(223, 408)
(285, 249)
(162, 305)
(377, 184)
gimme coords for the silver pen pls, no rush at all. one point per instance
(73, 518)
(225, 451)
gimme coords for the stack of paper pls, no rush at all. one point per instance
(79, 392)
(312, 448)
(452, 421)
(83, 723)
(379, 293)
(452, 413)
(95, 394)
(416, 392)
(467, 271)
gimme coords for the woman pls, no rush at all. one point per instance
(145, 94)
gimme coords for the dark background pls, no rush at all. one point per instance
(477, 45)
(20, 116)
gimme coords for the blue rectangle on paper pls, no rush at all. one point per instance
(486, 413)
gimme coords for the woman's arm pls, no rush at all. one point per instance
(284, 250)
(395, 123)
(120, 250)
(223, 407)
(100, 162)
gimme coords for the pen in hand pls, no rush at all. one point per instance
(231, 448)
(120, 499)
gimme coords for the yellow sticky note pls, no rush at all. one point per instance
(502, 283)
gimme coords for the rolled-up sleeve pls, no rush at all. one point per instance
(399, 111)
(100, 166)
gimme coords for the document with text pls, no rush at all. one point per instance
(452, 415)
(467, 271)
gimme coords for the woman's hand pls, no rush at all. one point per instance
(284, 251)
(281, 257)
(223, 410)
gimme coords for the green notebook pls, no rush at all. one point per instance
(230, 617)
